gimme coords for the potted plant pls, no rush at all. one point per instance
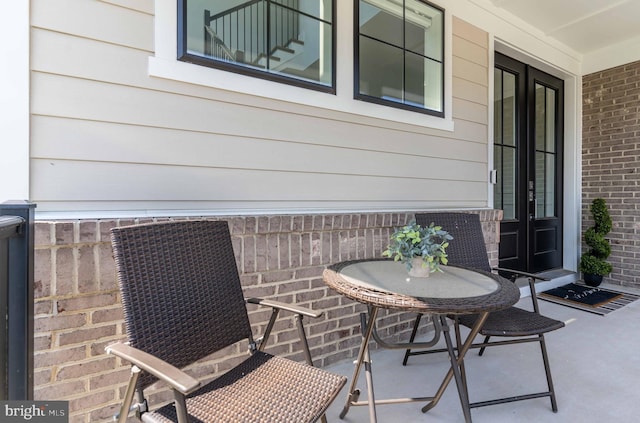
(421, 249)
(593, 264)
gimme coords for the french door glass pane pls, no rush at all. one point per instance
(497, 116)
(540, 117)
(545, 135)
(550, 126)
(509, 182)
(545, 185)
(550, 186)
(505, 138)
(509, 109)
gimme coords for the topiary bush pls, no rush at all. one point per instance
(593, 261)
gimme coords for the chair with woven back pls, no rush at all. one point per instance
(183, 301)
(468, 249)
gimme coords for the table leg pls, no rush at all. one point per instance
(363, 356)
(457, 374)
(456, 364)
(369, 378)
(463, 372)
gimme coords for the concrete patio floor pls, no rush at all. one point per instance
(595, 362)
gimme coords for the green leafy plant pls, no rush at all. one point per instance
(412, 240)
(594, 260)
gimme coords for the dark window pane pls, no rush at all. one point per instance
(381, 24)
(380, 70)
(415, 38)
(296, 43)
(414, 80)
(423, 29)
(317, 9)
(309, 59)
(423, 82)
(400, 53)
(433, 86)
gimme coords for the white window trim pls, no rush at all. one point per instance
(165, 65)
(14, 102)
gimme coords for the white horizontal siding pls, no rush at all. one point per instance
(99, 141)
(135, 181)
(106, 136)
(145, 6)
(97, 20)
(471, 49)
(470, 91)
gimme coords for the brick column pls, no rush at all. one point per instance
(611, 163)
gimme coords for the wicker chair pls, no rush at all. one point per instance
(468, 249)
(183, 301)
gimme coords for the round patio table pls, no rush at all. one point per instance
(383, 283)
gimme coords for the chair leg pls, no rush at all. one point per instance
(486, 340)
(305, 348)
(547, 369)
(407, 353)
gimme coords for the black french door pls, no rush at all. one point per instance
(528, 141)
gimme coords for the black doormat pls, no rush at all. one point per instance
(595, 300)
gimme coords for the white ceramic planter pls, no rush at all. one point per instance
(418, 270)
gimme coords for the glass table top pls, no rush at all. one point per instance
(392, 277)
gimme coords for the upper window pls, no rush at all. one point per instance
(399, 54)
(288, 41)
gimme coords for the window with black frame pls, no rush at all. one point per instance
(399, 54)
(291, 41)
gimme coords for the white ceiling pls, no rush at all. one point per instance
(583, 25)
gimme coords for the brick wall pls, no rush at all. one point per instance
(611, 162)
(78, 311)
